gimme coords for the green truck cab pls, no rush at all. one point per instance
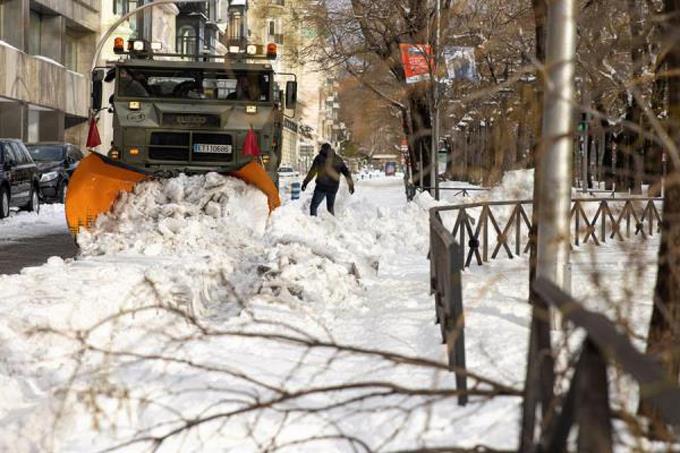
(174, 114)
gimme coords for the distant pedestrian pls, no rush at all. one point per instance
(327, 167)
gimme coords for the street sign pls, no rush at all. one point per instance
(460, 63)
(415, 58)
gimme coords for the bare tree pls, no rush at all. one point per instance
(664, 330)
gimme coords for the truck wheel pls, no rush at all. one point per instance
(4, 203)
(34, 204)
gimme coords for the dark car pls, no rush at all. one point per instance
(56, 163)
(19, 178)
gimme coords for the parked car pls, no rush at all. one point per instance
(19, 178)
(56, 163)
(288, 172)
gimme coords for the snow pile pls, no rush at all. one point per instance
(208, 214)
(515, 185)
(221, 227)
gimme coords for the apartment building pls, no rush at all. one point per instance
(315, 120)
(46, 49)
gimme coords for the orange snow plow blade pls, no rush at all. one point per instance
(94, 187)
(255, 175)
(98, 181)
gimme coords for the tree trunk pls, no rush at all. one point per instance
(417, 125)
(540, 371)
(664, 329)
(653, 156)
(635, 150)
(608, 173)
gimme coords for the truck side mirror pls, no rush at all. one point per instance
(97, 89)
(291, 94)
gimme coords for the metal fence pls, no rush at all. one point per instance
(486, 229)
(586, 403)
(446, 269)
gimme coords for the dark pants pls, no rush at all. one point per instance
(319, 194)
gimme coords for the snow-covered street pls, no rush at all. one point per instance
(189, 307)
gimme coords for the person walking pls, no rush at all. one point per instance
(327, 167)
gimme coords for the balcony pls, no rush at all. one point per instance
(39, 81)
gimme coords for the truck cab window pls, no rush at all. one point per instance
(248, 86)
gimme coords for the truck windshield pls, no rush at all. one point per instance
(206, 84)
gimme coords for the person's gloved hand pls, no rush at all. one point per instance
(351, 189)
(304, 186)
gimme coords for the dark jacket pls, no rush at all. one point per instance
(327, 167)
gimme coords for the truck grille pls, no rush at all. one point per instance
(177, 146)
(190, 120)
(170, 146)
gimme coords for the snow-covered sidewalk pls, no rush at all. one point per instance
(190, 304)
(21, 225)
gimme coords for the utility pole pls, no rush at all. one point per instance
(434, 166)
(552, 192)
(556, 162)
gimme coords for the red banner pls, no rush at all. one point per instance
(415, 58)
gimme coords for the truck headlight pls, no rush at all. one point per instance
(49, 176)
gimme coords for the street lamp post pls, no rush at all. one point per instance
(556, 162)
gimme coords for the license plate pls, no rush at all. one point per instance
(212, 149)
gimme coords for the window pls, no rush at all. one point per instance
(212, 10)
(9, 154)
(22, 157)
(272, 28)
(234, 28)
(35, 25)
(186, 40)
(122, 7)
(71, 52)
(43, 153)
(248, 86)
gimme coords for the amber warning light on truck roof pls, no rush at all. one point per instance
(118, 45)
(271, 51)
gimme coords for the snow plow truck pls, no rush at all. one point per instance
(176, 113)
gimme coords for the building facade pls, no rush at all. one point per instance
(315, 119)
(46, 50)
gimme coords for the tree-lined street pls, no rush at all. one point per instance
(407, 225)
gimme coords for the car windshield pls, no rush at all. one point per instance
(207, 84)
(46, 153)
